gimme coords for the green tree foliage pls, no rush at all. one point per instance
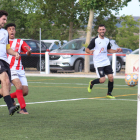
(109, 21)
(67, 16)
(15, 13)
(57, 19)
(127, 36)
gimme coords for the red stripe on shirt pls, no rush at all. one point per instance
(18, 65)
(16, 49)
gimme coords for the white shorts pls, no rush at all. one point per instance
(19, 74)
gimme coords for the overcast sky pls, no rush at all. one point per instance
(133, 8)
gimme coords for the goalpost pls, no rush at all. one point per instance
(138, 97)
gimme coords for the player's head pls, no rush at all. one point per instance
(3, 18)
(101, 30)
(11, 28)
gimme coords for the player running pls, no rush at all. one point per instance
(5, 75)
(17, 71)
(100, 45)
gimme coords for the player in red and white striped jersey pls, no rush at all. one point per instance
(17, 71)
(18, 45)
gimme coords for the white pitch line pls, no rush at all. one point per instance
(71, 84)
(66, 100)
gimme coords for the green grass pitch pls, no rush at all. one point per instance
(62, 109)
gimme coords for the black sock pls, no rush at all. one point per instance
(8, 101)
(13, 100)
(1, 96)
(110, 87)
(96, 81)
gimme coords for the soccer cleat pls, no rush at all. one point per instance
(89, 89)
(13, 109)
(23, 111)
(110, 97)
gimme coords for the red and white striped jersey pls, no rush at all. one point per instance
(17, 45)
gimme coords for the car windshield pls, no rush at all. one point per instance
(73, 45)
(32, 44)
(47, 44)
(135, 51)
(42, 45)
(127, 51)
(54, 47)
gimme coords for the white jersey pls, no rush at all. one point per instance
(4, 40)
(100, 47)
(17, 45)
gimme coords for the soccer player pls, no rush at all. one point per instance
(99, 46)
(5, 75)
(17, 71)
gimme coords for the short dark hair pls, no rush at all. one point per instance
(2, 12)
(101, 25)
(9, 25)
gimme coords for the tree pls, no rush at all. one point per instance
(127, 36)
(95, 6)
(67, 15)
(110, 21)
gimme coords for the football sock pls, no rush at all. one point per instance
(8, 101)
(13, 100)
(20, 98)
(13, 95)
(110, 87)
(96, 81)
(1, 96)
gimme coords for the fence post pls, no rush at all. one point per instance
(114, 63)
(47, 65)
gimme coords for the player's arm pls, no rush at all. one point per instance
(28, 50)
(25, 48)
(90, 47)
(12, 52)
(114, 51)
(89, 51)
(109, 50)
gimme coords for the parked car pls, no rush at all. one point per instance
(34, 59)
(54, 44)
(135, 51)
(76, 62)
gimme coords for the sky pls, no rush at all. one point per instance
(133, 8)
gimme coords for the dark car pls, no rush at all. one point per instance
(34, 59)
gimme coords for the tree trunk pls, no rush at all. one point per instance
(88, 38)
(70, 31)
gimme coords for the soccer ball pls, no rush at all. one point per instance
(131, 79)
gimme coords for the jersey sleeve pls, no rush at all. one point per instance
(92, 44)
(109, 46)
(24, 44)
(7, 43)
(8, 40)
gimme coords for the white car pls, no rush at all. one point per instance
(54, 44)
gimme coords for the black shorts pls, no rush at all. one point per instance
(101, 71)
(4, 66)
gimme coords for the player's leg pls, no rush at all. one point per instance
(24, 83)
(100, 73)
(19, 92)
(109, 72)
(25, 90)
(23, 80)
(5, 86)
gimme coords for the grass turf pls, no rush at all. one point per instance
(91, 118)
